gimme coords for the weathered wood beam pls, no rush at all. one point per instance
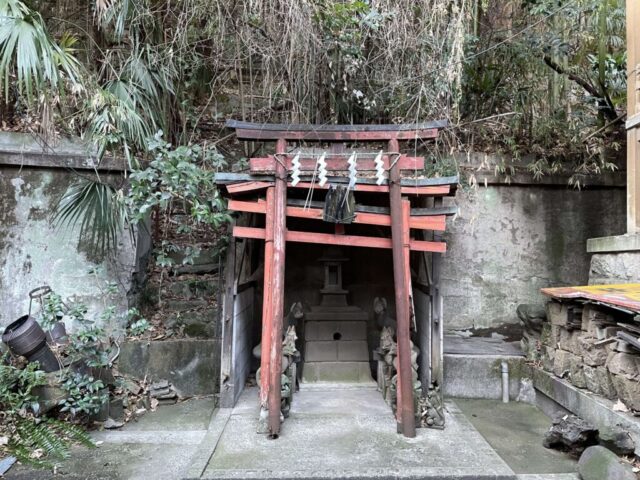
(405, 181)
(359, 187)
(434, 191)
(434, 211)
(247, 187)
(328, 127)
(268, 164)
(400, 210)
(259, 206)
(437, 222)
(225, 178)
(415, 212)
(318, 136)
(343, 240)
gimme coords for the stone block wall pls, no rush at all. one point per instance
(613, 268)
(578, 344)
(189, 307)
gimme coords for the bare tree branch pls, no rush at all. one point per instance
(603, 99)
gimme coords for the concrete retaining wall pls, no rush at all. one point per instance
(511, 240)
(191, 366)
(34, 253)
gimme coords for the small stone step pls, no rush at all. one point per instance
(206, 261)
(191, 289)
(339, 372)
(336, 350)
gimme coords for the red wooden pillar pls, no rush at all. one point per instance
(400, 240)
(267, 318)
(277, 294)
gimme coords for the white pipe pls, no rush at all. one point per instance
(504, 367)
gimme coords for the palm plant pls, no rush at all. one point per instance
(99, 211)
(30, 55)
(115, 122)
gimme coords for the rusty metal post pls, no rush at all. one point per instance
(277, 295)
(267, 318)
(400, 237)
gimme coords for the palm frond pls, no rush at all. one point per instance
(115, 121)
(29, 52)
(99, 212)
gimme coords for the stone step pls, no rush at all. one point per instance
(203, 323)
(335, 330)
(338, 372)
(191, 289)
(336, 351)
(206, 261)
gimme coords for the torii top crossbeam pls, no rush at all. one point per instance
(363, 133)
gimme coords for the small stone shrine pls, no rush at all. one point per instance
(336, 332)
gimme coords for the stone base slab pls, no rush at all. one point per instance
(348, 372)
(336, 351)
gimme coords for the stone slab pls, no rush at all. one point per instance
(336, 351)
(192, 366)
(209, 443)
(191, 415)
(321, 351)
(348, 330)
(192, 288)
(353, 351)
(617, 243)
(116, 461)
(455, 344)
(548, 476)
(359, 443)
(332, 399)
(479, 376)
(163, 449)
(349, 372)
(328, 316)
(515, 430)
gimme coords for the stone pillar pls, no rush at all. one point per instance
(616, 259)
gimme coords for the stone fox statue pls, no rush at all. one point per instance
(383, 318)
(290, 354)
(296, 312)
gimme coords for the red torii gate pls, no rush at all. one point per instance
(276, 235)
